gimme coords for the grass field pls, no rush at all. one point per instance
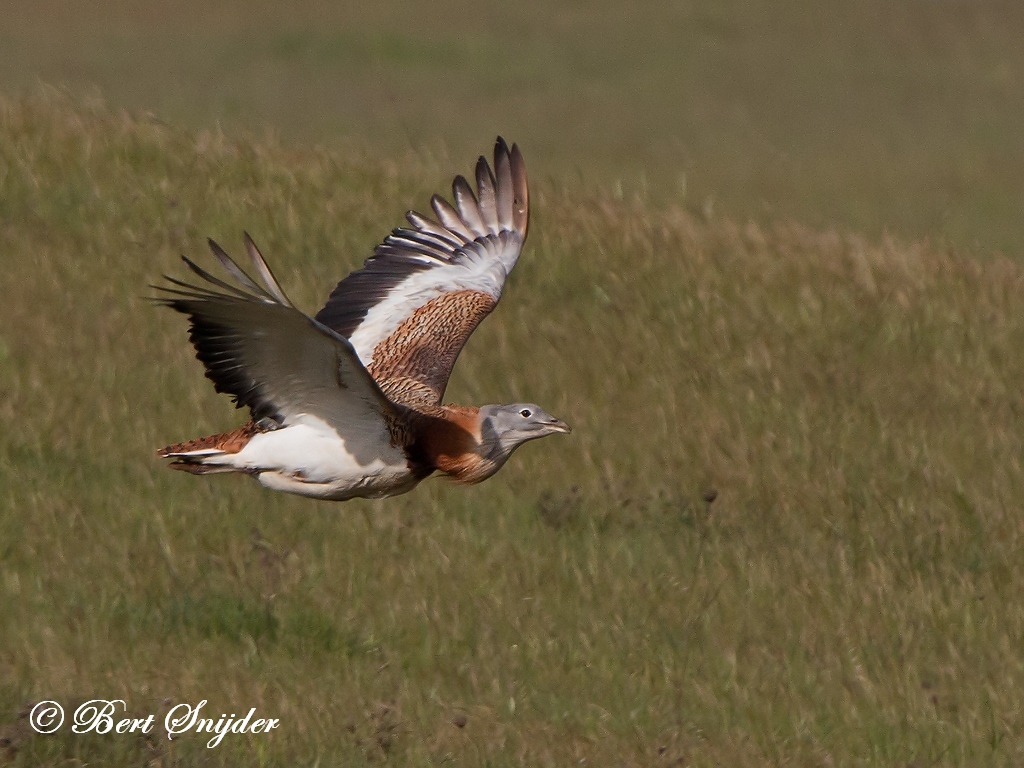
(850, 597)
(866, 115)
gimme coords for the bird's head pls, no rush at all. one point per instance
(506, 427)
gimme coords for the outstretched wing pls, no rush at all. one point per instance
(410, 309)
(282, 364)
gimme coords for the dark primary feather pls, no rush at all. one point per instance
(263, 270)
(487, 197)
(217, 343)
(520, 191)
(268, 355)
(449, 217)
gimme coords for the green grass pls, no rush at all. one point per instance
(851, 597)
(867, 115)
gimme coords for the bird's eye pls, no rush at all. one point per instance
(525, 413)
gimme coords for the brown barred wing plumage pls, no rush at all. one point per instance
(412, 365)
(409, 311)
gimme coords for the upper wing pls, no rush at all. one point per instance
(273, 358)
(410, 309)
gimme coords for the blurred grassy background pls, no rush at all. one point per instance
(869, 115)
(851, 596)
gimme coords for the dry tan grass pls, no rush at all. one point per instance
(850, 596)
(871, 115)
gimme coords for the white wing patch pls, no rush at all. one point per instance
(471, 272)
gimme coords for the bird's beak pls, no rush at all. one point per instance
(557, 425)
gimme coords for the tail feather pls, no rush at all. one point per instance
(198, 456)
(196, 467)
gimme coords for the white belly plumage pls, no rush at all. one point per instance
(312, 460)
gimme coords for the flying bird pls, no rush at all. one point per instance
(349, 402)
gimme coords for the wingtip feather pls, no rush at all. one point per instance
(521, 189)
(469, 207)
(263, 270)
(504, 191)
(232, 268)
(487, 195)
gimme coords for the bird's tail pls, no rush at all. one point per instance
(204, 455)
